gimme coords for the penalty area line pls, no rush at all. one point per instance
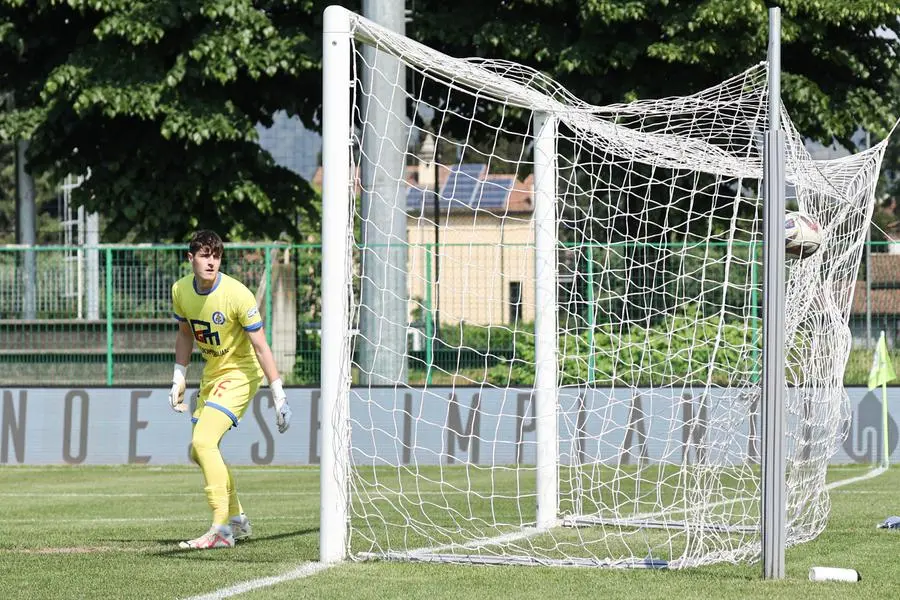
(842, 482)
(304, 570)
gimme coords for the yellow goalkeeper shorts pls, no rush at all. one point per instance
(230, 394)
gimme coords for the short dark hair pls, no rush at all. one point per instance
(206, 239)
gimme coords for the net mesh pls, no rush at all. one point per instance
(659, 305)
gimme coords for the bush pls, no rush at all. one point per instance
(679, 350)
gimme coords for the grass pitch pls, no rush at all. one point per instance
(112, 532)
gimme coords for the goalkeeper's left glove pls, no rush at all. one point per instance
(282, 410)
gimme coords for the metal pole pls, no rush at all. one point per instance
(885, 442)
(92, 264)
(591, 316)
(754, 303)
(267, 273)
(429, 318)
(437, 243)
(109, 317)
(869, 287)
(79, 258)
(772, 517)
(384, 321)
(25, 230)
(869, 271)
(335, 358)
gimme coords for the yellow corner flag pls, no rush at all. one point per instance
(882, 372)
(882, 367)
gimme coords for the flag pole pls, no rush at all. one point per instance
(885, 458)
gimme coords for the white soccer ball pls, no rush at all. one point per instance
(802, 235)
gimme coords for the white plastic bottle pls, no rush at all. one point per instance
(834, 574)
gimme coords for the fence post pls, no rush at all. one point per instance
(428, 315)
(754, 303)
(267, 252)
(109, 318)
(869, 344)
(591, 316)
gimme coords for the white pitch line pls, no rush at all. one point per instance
(304, 570)
(524, 533)
(870, 475)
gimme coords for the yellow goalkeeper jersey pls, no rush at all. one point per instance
(219, 317)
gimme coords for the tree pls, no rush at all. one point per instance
(159, 99)
(837, 63)
(889, 183)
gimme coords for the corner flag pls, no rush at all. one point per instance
(882, 372)
(882, 367)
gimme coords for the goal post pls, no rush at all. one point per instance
(601, 381)
(773, 506)
(546, 359)
(337, 196)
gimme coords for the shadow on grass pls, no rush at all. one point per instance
(176, 552)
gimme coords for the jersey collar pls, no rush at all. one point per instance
(210, 290)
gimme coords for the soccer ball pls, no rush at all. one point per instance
(802, 235)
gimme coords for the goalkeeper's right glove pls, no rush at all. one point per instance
(282, 409)
(176, 394)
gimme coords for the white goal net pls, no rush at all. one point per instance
(549, 331)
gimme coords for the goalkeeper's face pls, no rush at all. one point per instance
(205, 264)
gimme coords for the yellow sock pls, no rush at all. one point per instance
(208, 432)
(234, 505)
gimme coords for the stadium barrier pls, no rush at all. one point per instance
(94, 426)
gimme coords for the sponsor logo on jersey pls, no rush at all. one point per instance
(208, 352)
(204, 333)
(253, 311)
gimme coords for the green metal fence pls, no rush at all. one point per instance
(103, 316)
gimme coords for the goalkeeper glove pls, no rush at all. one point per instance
(176, 394)
(282, 410)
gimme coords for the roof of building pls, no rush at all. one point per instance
(885, 282)
(464, 187)
(884, 301)
(885, 269)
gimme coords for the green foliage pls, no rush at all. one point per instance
(859, 363)
(685, 348)
(307, 368)
(837, 71)
(662, 355)
(160, 99)
(888, 191)
(484, 338)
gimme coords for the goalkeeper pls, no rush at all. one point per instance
(220, 314)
